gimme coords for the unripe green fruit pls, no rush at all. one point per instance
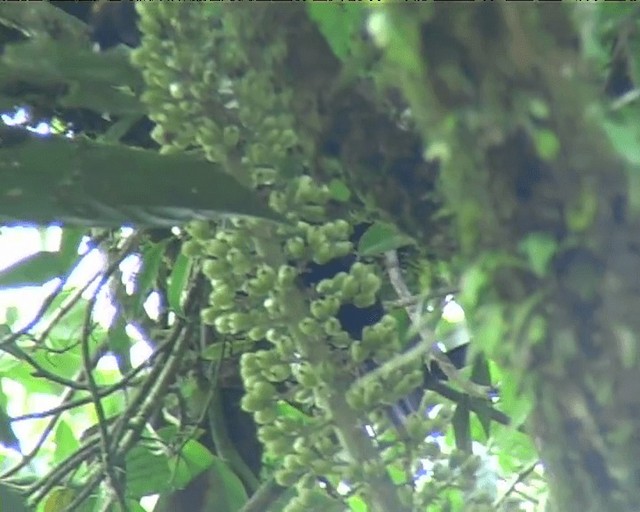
(217, 248)
(222, 323)
(364, 300)
(332, 327)
(215, 269)
(359, 353)
(371, 337)
(323, 254)
(356, 399)
(199, 229)
(239, 322)
(309, 327)
(373, 393)
(300, 444)
(286, 478)
(359, 270)
(192, 248)
(306, 376)
(278, 447)
(231, 136)
(286, 276)
(209, 315)
(268, 434)
(324, 308)
(350, 287)
(221, 294)
(295, 247)
(252, 403)
(370, 284)
(264, 390)
(278, 373)
(265, 416)
(250, 362)
(257, 333)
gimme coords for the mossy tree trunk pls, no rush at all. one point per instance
(546, 229)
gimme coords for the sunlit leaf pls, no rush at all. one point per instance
(58, 499)
(148, 472)
(178, 281)
(381, 237)
(112, 185)
(34, 270)
(539, 249)
(461, 427)
(11, 500)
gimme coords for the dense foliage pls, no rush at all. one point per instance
(343, 182)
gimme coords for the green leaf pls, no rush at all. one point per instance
(69, 244)
(7, 437)
(225, 489)
(74, 75)
(481, 374)
(625, 139)
(381, 237)
(120, 343)
(461, 426)
(111, 185)
(177, 282)
(193, 459)
(146, 277)
(539, 249)
(58, 499)
(338, 190)
(547, 144)
(34, 270)
(148, 471)
(66, 441)
(11, 500)
(338, 24)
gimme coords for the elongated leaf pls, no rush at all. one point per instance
(77, 181)
(145, 279)
(71, 238)
(381, 237)
(11, 500)
(102, 82)
(34, 270)
(177, 282)
(461, 427)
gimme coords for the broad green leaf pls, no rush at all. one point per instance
(99, 81)
(69, 244)
(177, 282)
(66, 441)
(481, 374)
(58, 499)
(120, 343)
(546, 143)
(338, 190)
(146, 277)
(225, 489)
(148, 472)
(193, 459)
(34, 270)
(381, 237)
(11, 500)
(112, 185)
(7, 437)
(540, 249)
(625, 139)
(461, 427)
(338, 24)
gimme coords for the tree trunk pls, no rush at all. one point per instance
(543, 215)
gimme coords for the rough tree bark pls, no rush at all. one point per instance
(567, 330)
